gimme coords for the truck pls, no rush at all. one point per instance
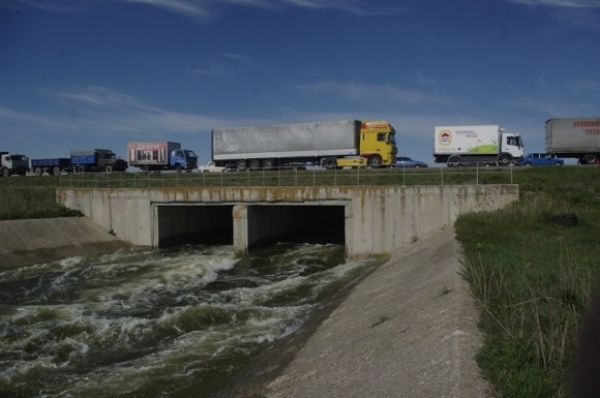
(331, 144)
(81, 160)
(577, 138)
(12, 163)
(480, 144)
(86, 160)
(161, 155)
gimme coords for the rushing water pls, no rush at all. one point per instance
(170, 323)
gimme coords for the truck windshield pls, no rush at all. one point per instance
(18, 157)
(392, 138)
(190, 154)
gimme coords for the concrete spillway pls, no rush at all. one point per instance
(367, 219)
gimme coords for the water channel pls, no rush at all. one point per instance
(166, 323)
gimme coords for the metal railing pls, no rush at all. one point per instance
(293, 177)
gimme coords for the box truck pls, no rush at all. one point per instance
(484, 144)
(577, 138)
(330, 144)
(161, 155)
(12, 163)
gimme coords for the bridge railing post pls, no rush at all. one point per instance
(335, 176)
(358, 175)
(442, 170)
(477, 173)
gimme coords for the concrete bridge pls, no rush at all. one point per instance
(367, 219)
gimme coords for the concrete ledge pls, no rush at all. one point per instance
(408, 330)
(28, 242)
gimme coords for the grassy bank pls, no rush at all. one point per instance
(31, 202)
(532, 278)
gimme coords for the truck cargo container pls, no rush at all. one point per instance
(161, 155)
(12, 163)
(54, 166)
(329, 144)
(483, 144)
(577, 138)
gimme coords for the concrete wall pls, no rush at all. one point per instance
(378, 218)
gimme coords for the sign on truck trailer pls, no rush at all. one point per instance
(485, 144)
(577, 138)
(323, 143)
(161, 155)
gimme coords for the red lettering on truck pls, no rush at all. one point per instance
(587, 123)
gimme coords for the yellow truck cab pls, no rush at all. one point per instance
(378, 143)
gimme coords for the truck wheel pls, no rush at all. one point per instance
(454, 161)
(268, 164)
(374, 161)
(6, 172)
(330, 163)
(108, 168)
(589, 158)
(241, 165)
(557, 164)
(178, 168)
(80, 169)
(38, 171)
(504, 160)
(254, 164)
(528, 164)
(56, 171)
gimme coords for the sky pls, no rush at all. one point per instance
(101, 73)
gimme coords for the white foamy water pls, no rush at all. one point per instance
(173, 323)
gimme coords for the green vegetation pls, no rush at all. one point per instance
(532, 275)
(31, 202)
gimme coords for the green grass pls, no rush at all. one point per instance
(31, 202)
(533, 278)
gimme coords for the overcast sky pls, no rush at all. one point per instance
(100, 73)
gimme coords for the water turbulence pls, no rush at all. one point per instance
(169, 323)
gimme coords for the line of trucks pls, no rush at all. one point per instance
(331, 144)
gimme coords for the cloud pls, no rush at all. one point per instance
(202, 10)
(591, 85)
(104, 110)
(359, 91)
(58, 6)
(559, 3)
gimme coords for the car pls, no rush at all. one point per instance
(540, 159)
(404, 162)
(212, 168)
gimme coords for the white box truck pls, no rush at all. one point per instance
(484, 144)
(577, 138)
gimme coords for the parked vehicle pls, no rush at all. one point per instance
(404, 162)
(540, 159)
(161, 155)
(211, 167)
(330, 144)
(487, 143)
(574, 138)
(54, 166)
(81, 160)
(12, 163)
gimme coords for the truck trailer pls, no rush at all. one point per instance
(81, 160)
(12, 163)
(330, 144)
(485, 144)
(577, 138)
(161, 155)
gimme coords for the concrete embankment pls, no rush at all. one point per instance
(409, 329)
(28, 242)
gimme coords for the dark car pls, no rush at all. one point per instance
(540, 159)
(404, 162)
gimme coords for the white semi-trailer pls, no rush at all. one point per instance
(485, 144)
(330, 144)
(577, 138)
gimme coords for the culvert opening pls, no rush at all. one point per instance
(207, 225)
(298, 224)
